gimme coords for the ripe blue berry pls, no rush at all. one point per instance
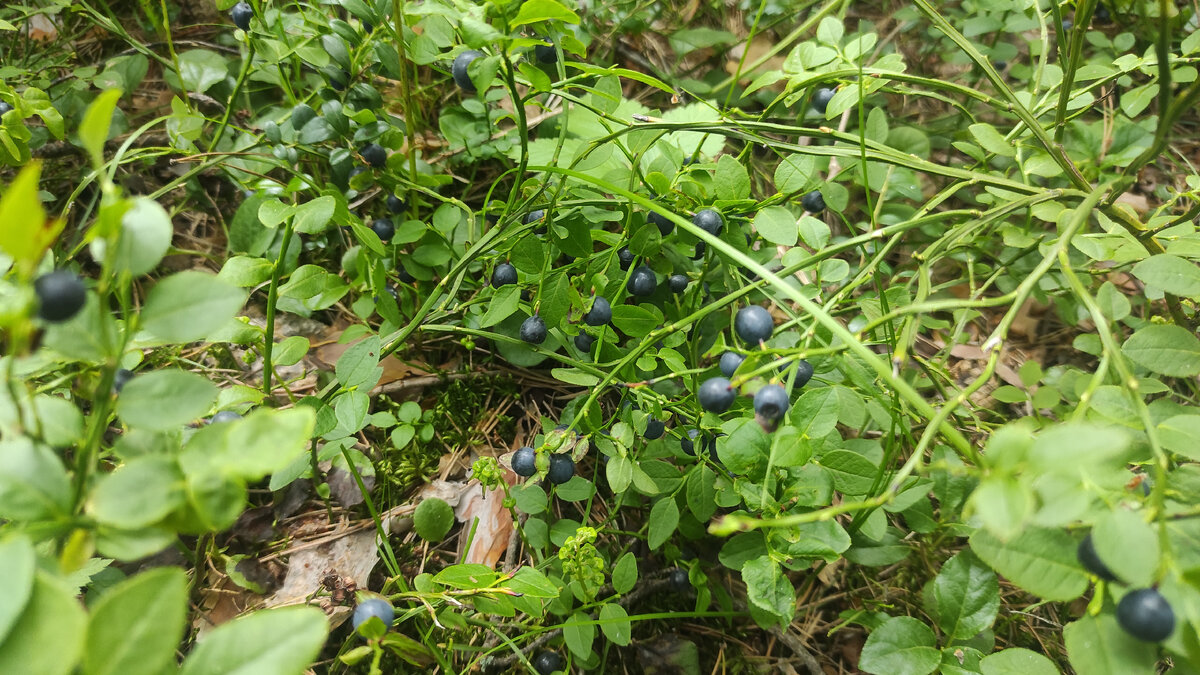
(524, 462)
(61, 294)
(583, 342)
(821, 99)
(771, 402)
(678, 283)
(642, 282)
(121, 378)
(394, 204)
(625, 257)
(654, 429)
(753, 324)
(716, 394)
(374, 154)
(664, 224)
(709, 220)
(562, 467)
(458, 70)
(383, 228)
(533, 330)
(545, 54)
(730, 362)
(1146, 615)
(241, 15)
(503, 275)
(600, 313)
(678, 579)
(804, 373)
(546, 663)
(373, 607)
(813, 202)
(1086, 553)
(224, 416)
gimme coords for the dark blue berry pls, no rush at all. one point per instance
(716, 394)
(225, 416)
(821, 99)
(625, 257)
(395, 204)
(374, 154)
(503, 275)
(524, 462)
(771, 402)
(373, 607)
(583, 342)
(678, 283)
(241, 15)
(813, 202)
(1086, 553)
(458, 70)
(562, 468)
(709, 220)
(654, 429)
(753, 324)
(1146, 615)
(121, 378)
(730, 362)
(61, 294)
(600, 313)
(642, 282)
(533, 330)
(664, 224)
(546, 663)
(383, 228)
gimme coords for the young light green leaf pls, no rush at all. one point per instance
(165, 399)
(991, 140)
(279, 641)
(93, 130)
(579, 632)
(138, 493)
(967, 596)
(1096, 645)
(1128, 545)
(48, 637)
(664, 518)
(777, 225)
(533, 11)
(1017, 661)
(769, 589)
(614, 623)
(136, 625)
(625, 573)
(187, 306)
(901, 646)
(16, 584)
(1039, 560)
(1165, 349)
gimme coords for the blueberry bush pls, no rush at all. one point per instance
(778, 336)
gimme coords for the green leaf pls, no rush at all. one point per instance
(967, 596)
(313, 217)
(264, 442)
(1017, 661)
(48, 638)
(769, 589)
(901, 646)
(1178, 435)
(625, 573)
(635, 320)
(466, 576)
(579, 632)
(136, 625)
(574, 376)
(1128, 545)
(852, 473)
(187, 306)
(615, 623)
(533, 11)
(1096, 645)
(1073, 448)
(146, 232)
(795, 173)
(991, 140)
(138, 493)
(200, 69)
(701, 492)
(33, 485)
(1004, 504)
(533, 584)
(1166, 350)
(777, 225)
(162, 400)
(664, 518)
(502, 305)
(310, 288)
(1039, 560)
(1170, 273)
(290, 351)
(731, 179)
(16, 584)
(93, 130)
(358, 367)
(25, 232)
(278, 641)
